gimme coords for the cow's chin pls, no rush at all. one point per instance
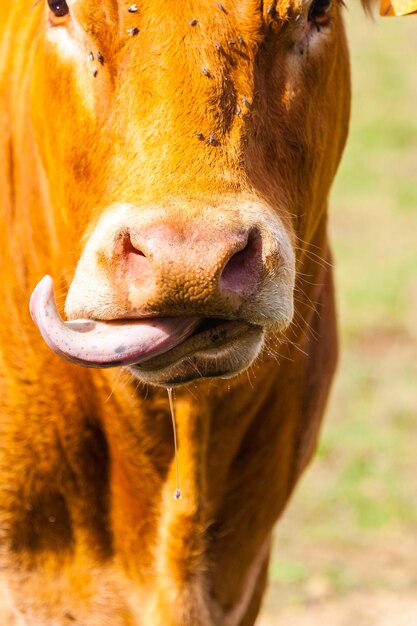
(220, 352)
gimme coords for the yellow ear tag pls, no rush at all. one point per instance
(391, 8)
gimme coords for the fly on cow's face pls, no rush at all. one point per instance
(100, 58)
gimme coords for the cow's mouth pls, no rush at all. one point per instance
(211, 333)
(215, 349)
(158, 350)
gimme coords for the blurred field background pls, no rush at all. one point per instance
(346, 551)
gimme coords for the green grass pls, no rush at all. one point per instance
(357, 504)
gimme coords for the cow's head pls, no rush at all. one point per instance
(189, 148)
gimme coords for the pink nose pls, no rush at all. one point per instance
(189, 268)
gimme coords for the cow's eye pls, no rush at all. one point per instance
(319, 12)
(59, 8)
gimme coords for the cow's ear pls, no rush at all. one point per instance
(389, 8)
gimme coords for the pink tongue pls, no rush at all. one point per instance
(105, 344)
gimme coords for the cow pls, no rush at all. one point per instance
(167, 166)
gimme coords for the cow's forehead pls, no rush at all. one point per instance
(203, 6)
(249, 15)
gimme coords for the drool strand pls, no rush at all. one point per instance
(177, 492)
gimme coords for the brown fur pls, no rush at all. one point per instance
(90, 533)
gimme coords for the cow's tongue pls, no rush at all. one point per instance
(105, 344)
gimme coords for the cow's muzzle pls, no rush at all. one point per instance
(175, 297)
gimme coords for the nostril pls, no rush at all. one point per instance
(242, 271)
(135, 264)
(129, 248)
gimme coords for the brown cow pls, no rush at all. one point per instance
(168, 164)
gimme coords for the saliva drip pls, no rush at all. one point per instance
(177, 492)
